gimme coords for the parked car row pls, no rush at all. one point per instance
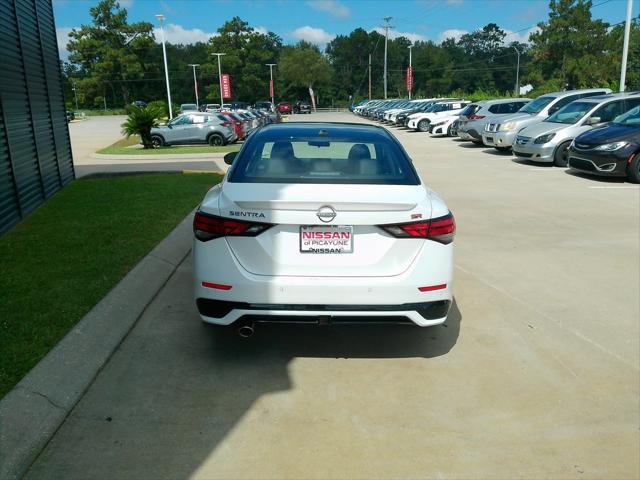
(215, 128)
(591, 130)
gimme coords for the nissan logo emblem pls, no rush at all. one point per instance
(326, 214)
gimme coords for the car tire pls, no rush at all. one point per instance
(449, 132)
(560, 155)
(215, 140)
(157, 141)
(423, 125)
(633, 169)
(502, 149)
(476, 142)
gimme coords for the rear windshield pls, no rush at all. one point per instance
(470, 109)
(323, 160)
(537, 105)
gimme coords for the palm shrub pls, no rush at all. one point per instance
(140, 122)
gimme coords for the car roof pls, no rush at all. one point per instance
(498, 101)
(571, 92)
(610, 96)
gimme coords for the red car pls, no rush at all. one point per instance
(285, 107)
(238, 123)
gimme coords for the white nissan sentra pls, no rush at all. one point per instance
(322, 223)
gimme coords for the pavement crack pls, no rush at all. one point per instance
(163, 260)
(60, 407)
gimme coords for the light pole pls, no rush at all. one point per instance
(75, 94)
(410, 71)
(386, 38)
(517, 74)
(625, 46)
(195, 82)
(220, 76)
(160, 18)
(271, 86)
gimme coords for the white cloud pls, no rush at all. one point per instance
(177, 34)
(262, 30)
(451, 33)
(333, 7)
(126, 3)
(414, 37)
(522, 37)
(313, 35)
(62, 35)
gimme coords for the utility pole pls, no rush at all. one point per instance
(75, 94)
(160, 18)
(386, 27)
(220, 77)
(195, 82)
(625, 46)
(517, 89)
(369, 76)
(271, 85)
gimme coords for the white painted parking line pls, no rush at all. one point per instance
(612, 187)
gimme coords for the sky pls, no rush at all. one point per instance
(319, 21)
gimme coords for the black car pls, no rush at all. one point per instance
(612, 150)
(302, 107)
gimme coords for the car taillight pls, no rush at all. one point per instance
(207, 227)
(225, 124)
(473, 116)
(441, 229)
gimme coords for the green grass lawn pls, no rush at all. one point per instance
(59, 262)
(121, 147)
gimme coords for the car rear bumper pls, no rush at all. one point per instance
(423, 314)
(292, 296)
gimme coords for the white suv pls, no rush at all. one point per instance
(422, 120)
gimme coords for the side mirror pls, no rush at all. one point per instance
(593, 120)
(230, 157)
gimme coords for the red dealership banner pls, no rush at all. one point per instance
(226, 86)
(271, 88)
(410, 78)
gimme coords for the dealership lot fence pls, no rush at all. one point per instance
(35, 151)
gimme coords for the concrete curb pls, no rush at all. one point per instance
(180, 156)
(32, 412)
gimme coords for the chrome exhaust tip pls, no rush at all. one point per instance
(245, 331)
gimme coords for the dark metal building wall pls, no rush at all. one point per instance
(35, 151)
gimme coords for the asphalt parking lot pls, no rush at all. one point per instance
(534, 375)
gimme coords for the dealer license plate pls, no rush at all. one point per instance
(490, 139)
(326, 239)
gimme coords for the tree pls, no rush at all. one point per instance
(570, 50)
(302, 66)
(140, 122)
(247, 52)
(111, 50)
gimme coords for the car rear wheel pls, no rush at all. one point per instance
(633, 169)
(215, 140)
(423, 125)
(157, 141)
(560, 158)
